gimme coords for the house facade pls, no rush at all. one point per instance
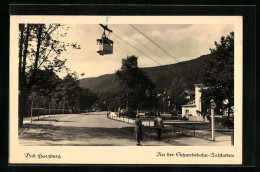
(189, 96)
(194, 105)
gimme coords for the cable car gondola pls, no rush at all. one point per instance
(105, 45)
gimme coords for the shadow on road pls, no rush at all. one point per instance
(51, 120)
(57, 135)
(41, 132)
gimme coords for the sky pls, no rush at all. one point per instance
(182, 41)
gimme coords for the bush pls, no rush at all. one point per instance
(223, 121)
(174, 113)
(130, 114)
(150, 114)
(179, 117)
(184, 118)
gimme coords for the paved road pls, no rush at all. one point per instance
(93, 129)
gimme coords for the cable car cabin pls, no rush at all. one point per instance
(105, 46)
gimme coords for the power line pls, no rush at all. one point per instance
(154, 42)
(141, 52)
(143, 45)
(161, 48)
(163, 67)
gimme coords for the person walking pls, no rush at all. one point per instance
(138, 135)
(158, 125)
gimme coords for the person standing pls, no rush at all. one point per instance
(158, 125)
(138, 135)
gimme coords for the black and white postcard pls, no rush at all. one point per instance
(126, 89)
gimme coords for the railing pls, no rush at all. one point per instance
(124, 119)
(187, 126)
(180, 127)
(37, 112)
(146, 121)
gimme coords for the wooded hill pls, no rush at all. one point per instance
(180, 75)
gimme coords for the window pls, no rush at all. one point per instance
(187, 112)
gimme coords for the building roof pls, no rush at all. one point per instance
(189, 105)
(189, 91)
(198, 85)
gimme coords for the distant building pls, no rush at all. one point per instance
(194, 105)
(188, 95)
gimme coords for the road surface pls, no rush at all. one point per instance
(95, 129)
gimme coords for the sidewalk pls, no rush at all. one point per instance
(181, 136)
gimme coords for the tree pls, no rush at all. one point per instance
(136, 83)
(218, 76)
(87, 98)
(177, 87)
(39, 49)
(68, 93)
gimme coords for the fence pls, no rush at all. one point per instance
(37, 112)
(122, 119)
(187, 127)
(195, 129)
(147, 121)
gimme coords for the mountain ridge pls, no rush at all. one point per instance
(185, 73)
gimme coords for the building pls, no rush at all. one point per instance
(188, 95)
(193, 108)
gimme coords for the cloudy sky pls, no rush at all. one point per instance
(182, 41)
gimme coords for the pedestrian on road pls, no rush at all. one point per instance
(158, 125)
(138, 135)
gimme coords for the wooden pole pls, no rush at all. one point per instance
(232, 137)
(31, 111)
(44, 107)
(193, 130)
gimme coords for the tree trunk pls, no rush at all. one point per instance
(228, 114)
(22, 109)
(22, 88)
(39, 37)
(23, 79)
(49, 109)
(21, 28)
